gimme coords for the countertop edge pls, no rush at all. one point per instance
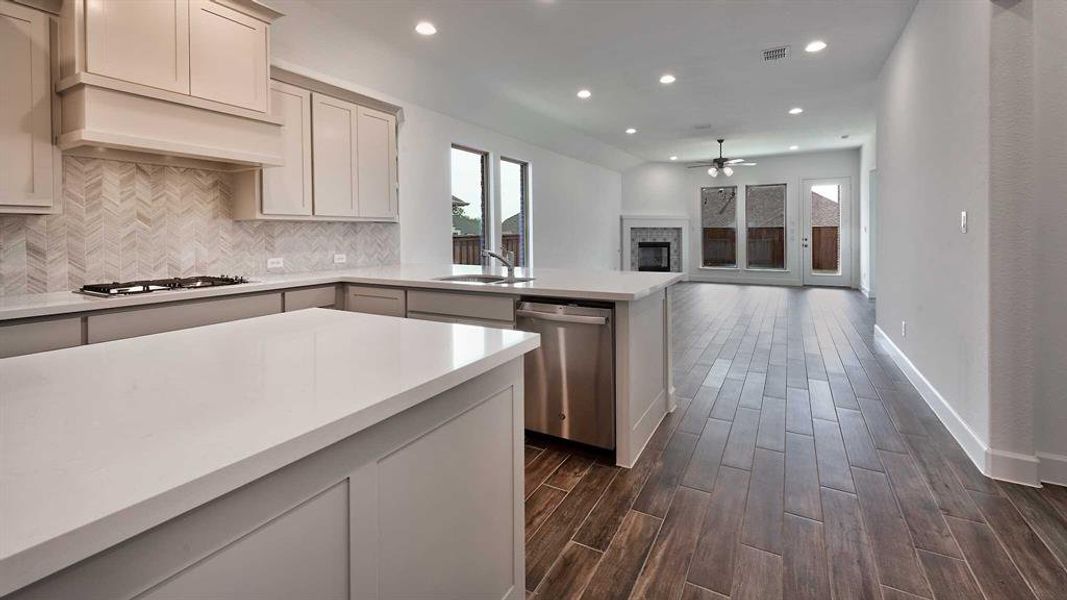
(34, 563)
(88, 304)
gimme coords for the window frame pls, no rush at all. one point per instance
(486, 195)
(524, 259)
(785, 229)
(737, 229)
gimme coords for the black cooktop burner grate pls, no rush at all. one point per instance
(154, 285)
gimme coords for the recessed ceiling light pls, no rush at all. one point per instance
(425, 28)
(667, 78)
(674, 158)
(631, 131)
(794, 147)
(815, 46)
(796, 110)
(584, 94)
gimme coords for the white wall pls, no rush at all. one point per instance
(575, 204)
(1050, 57)
(673, 189)
(933, 161)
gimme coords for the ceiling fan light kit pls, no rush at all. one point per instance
(722, 164)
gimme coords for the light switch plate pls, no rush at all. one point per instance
(963, 221)
(340, 259)
(276, 263)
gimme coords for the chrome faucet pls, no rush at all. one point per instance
(508, 259)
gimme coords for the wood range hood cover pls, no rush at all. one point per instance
(200, 95)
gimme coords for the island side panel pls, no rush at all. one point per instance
(642, 373)
(302, 531)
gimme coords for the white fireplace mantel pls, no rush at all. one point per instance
(671, 221)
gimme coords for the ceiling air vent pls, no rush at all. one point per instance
(776, 54)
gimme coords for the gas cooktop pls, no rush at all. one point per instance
(154, 285)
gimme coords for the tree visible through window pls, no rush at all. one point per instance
(469, 205)
(718, 218)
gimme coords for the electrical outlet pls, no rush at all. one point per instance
(276, 263)
(963, 221)
(903, 329)
(340, 259)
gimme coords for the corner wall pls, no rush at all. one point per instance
(933, 153)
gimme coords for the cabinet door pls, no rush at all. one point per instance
(227, 56)
(376, 158)
(375, 300)
(287, 189)
(27, 162)
(144, 42)
(333, 123)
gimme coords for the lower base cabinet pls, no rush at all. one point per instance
(172, 317)
(426, 504)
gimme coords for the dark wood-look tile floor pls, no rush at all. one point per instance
(800, 463)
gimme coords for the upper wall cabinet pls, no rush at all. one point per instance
(145, 42)
(340, 158)
(228, 56)
(184, 78)
(376, 163)
(29, 165)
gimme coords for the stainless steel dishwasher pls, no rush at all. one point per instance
(570, 379)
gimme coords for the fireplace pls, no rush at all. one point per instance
(653, 256)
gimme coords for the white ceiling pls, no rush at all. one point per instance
(536, 54)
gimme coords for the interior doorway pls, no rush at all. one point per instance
(826, 238)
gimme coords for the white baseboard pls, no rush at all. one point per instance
(998, 464)
(1053, 468)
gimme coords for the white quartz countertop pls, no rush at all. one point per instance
(103, 441)
(612, 286)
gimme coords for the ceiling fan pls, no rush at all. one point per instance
(722, 164)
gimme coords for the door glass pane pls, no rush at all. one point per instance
(765, 226)
(825, 228)
(718, 218)
(468, 205)
(513, 208)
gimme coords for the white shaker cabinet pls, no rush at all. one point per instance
(333, 144)
(227, 56)
(145, 42)
(29, 169)
(287, 189)
(376, 164)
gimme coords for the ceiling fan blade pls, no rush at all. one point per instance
(746, 164)
(700, 165)
(734, 161)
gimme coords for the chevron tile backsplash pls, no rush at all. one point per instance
(123, 221)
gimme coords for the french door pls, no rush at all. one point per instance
(826, 240)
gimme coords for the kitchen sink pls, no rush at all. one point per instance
(476, 278)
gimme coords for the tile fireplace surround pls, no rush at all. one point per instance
(641, 228)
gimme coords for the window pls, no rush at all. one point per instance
(718, 219)
(825, 225)
(470, 177)
(765, 226)
(514, 222)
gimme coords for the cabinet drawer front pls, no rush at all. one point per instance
(146, 321)
(40, 336)
(320, 297)
(375, 300)
(460, 320)
(227, 56)
(144, 42)
(458, 304)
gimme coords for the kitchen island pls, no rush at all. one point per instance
(307, 454)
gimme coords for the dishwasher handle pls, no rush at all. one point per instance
(559, 318)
